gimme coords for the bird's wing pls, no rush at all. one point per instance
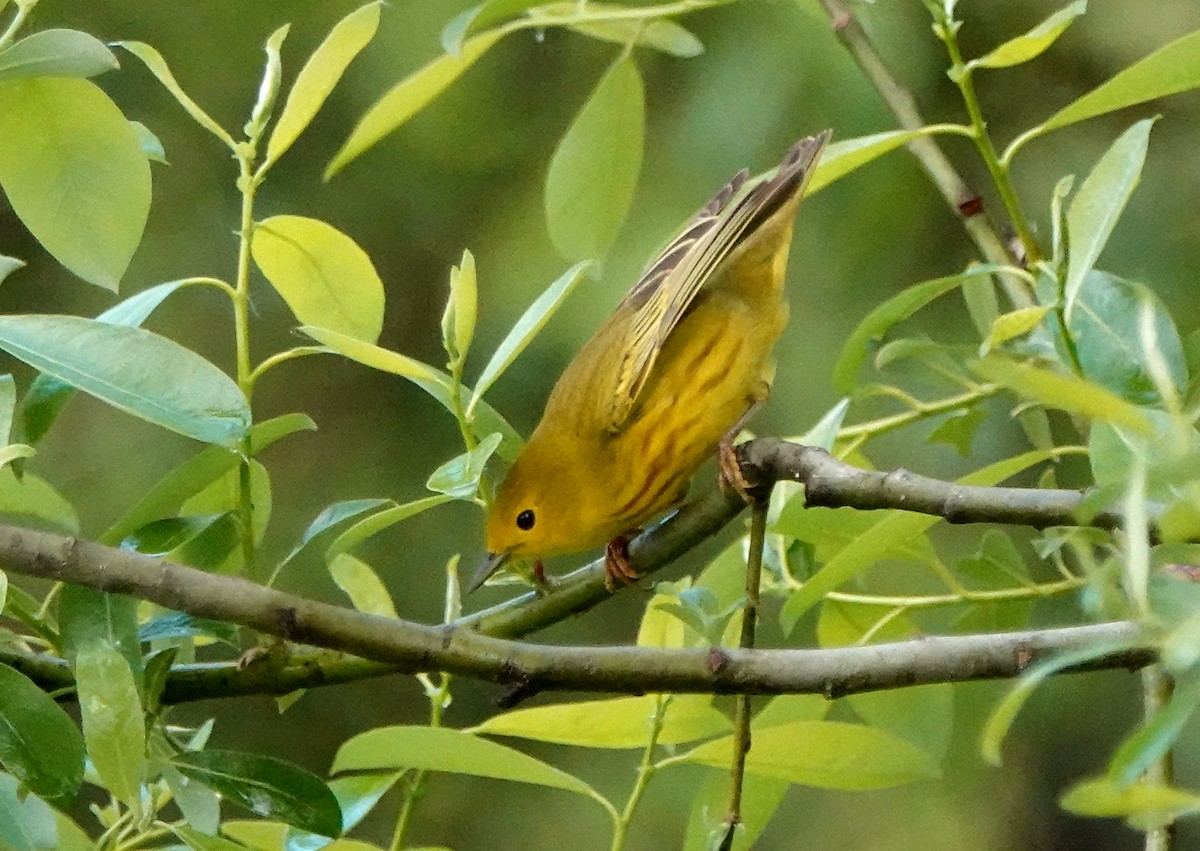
(667, 288)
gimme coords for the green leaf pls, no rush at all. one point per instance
(454, 751)
(827, 755)
(33, 497)
(197, 473)
(459, 477)
(39, 743)
(268, 787)
(479, 17)
(1033, 43)
(202, 842)
(883, 535)
(1102, 797)
(407, 98)
(761, 797)
(893, 311)
(27, 823)
(331, 516)
(958, 430)
(662, 34)
(787, 708)
(832, 530)
(183, 392)
(840, 158)
(1170, 69)
(621, 722)
(594, 170)
(89, 616)
(379, 521)
(362, 585)
(1097, 205)
(224, 494)
(113, 727)
(320, 74)
(462, 309)
(8, 403)
(433, 381)
(154, 61)
(527, 327)
(1061, 391)
(322, 274)
(8, 265)
(181, 625)
(1015, 324)
(56, 53)
(659, 628)
(1106, 328)
(1146, 744)
(48, 395)
(150, 144)
(74, 173)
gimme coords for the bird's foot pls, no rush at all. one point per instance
(729, 473)
(617, 570)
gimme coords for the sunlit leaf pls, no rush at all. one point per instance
(1104, 798)
(408, 97)
(462, 309)
(621, 722)
(480, 17)
(150, 144)
(32, 497)
(662, 34)
(39, 743)
(840, 158)
(594, 170)
(268, 787)
(380, 520)
(27, 823)
(1033, 43)
(322, 274)
(154, 61)
(1170, 69)
(56, 53)
(1097, 205)
(75, 174)
(708, 820)
(459, 477)
(113, 727)
(320, 74)
(1011, 325)
(88, 617)
(828, 755)
(526, 328)
(362, 585)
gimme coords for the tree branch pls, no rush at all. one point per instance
(472, 645)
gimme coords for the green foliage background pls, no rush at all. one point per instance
(468, 172)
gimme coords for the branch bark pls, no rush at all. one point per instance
(474, 645)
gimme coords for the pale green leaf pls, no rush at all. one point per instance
(158, 67)
(893, 311)
(828, 755)
(134, 370)
(322, 274)
(1061, 391)
(113, 728)
(27, 823)
(1014, 324)
(56, 53)
(150, 144)
(8, 265)
(462, 309)
(1148, 743)
(707, 823)
(75, 174)
(787, 708)
(1097, 205)
(39, 743)
(1102, 797)
(526, 328)
(407, 98)
(662, 34)
(32, 497)
(320, 74)
(479, 17)
(594, 170)
(1170, 69)
(380, 520)
(459, 477)
(1033, 43)
(621, 722)
(331, 516)
(198, 841)
(840, 158)
(454, 751)
(362, 585)
(8, 404)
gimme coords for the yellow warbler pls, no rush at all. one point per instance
(670, 377)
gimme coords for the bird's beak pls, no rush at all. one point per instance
(490, 564)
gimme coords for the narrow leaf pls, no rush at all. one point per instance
(1169, 70)
(407, 98)
(150, 144)
(478, 18)
(154, 61)
(379, 521)
(1147, 743)
(662, 34)
(27, 823)
(1098, 204)
(707, 822)
(459, 477)
(134, 370)
(113, 727)
(1033, 43)
(531, 322)
(8, 265)
(443, 749)
(268, 787)
(39, 743)
(322, 274)
(840, 158)
(1012, 325)
(362, 585)
(56, 53)
(331, 516)
(320, 74)
(1103, 798)
(33, 497)
(605, 138)
(75, 174)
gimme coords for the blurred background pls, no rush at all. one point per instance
(468, 173)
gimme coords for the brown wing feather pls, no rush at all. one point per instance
(670, 283)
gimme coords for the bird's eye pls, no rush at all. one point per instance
(525, 520)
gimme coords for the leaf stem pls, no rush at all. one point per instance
(282, 357)
(999, 595)
(645, 771)
(247, 185)
(24, 7)
(1157, 687)
(918, 411)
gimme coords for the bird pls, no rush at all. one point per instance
(670, 378)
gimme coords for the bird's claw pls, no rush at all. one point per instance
(729, 473)
(617, 568)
